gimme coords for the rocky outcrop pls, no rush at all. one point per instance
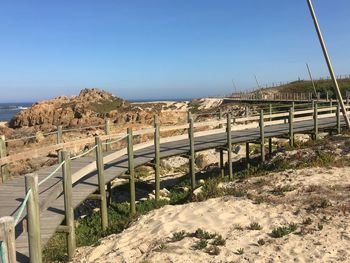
(90, 107)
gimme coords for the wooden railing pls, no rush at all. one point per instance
(31, 201)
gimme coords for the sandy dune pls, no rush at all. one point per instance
(148, 239)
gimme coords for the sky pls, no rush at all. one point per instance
(163, 49)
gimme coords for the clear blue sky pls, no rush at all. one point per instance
(163, 48)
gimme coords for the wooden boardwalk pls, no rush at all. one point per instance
(12, 192)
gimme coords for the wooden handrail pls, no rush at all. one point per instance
(42, 151)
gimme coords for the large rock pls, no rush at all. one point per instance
(91, 107)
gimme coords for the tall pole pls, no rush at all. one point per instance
(329, 64)
(311, 78)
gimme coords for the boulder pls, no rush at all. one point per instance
(202, 161)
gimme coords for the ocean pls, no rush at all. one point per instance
(8, 110)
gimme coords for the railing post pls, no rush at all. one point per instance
(192, 153)
(131, 173)
(270, 147)
(7, 237)
(68, 204)
(270, 108)
(247, 151)
(262, 136)
(59, 140)
(291, 127)
(229, 147)
(315, 122)
(222, 167)
(101, 183)
(327, 97)
(33, 218)
(157, 156)
(108, 132)
(338, 119)
(5, 174)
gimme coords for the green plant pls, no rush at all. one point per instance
(307, 221)
(240, 251)
(254, 226)
(177, 236)
(200, 233)
(219, 241)
(283, 231)
(161, 247)
(259, 200)
(261, 242)
(200, 244)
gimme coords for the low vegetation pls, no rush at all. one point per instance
(284, 230)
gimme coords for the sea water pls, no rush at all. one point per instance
(8, 110)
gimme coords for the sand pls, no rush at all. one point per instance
(3, 123)
(148, 239)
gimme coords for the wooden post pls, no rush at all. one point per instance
(262, 136)
(192, 153)
(33, 216)
(5, 174)
(222, 166)
(157, 156)
(246, 113)
(101, 183)
(131, 173)
(291, 127)
(59, 140)
(270, 147)
(108, 132)
(7, 236)
(247, 151)
(59, 134)
(110, 193)
(338, 119)
(68, 204)
(270, 108)
(327, 97)
(229, 147)
(315, 122)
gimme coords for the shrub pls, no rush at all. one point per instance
(254, 226)
(283, 231)
(177, 236)
(200, 244)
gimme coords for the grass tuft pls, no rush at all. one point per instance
(283, 231)
(254, 226)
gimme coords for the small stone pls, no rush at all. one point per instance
(198, 190)
(151, 196)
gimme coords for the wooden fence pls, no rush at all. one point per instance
(31, 200)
